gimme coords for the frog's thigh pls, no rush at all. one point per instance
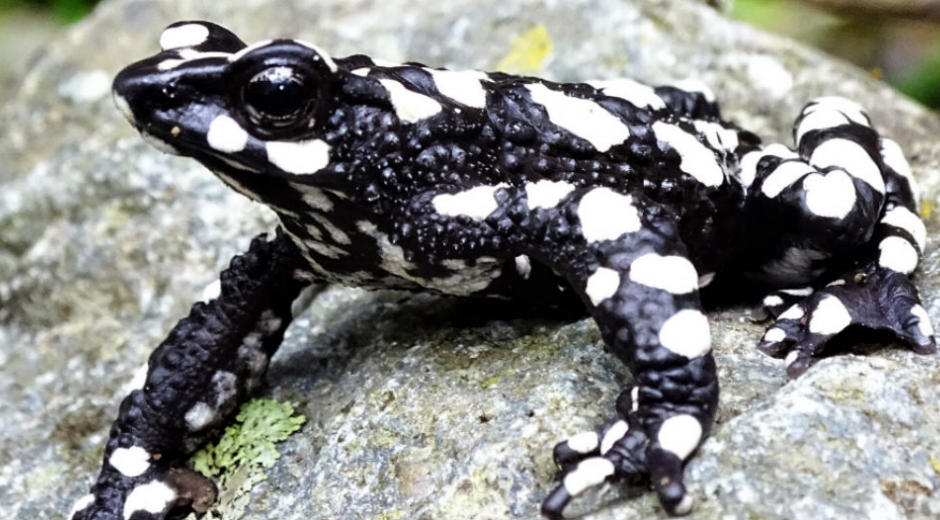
(818, 202)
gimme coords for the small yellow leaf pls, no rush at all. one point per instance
(527, 52)
(926, 208)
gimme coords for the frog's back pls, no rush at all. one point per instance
(459, 130)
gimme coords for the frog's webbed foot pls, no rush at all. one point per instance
(152, 495)
(611, 453)
(871, 297)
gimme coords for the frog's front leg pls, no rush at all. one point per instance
(197, 377)
(621, 253)
(845, 206)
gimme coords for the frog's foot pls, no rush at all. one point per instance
(622, 450)
(871, 297)
(614, 452)
(151, 495)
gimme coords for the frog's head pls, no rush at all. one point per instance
(209, 96)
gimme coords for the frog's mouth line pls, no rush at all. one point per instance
(159, 143)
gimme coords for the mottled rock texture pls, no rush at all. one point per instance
(417, 408)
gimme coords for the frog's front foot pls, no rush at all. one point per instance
(627, 450)
(871, 297)
(152, 495)
(612, 453)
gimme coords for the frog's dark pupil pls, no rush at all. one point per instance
(277, 96)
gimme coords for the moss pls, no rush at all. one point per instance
(247, 447)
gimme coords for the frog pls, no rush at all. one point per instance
(638, 206)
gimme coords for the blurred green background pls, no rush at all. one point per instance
(896, 40)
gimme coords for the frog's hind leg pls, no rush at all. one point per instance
(839, 213)
(621, 254)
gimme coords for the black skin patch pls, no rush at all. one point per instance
(492, 185)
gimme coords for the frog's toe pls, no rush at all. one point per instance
(589, 459)
(917, 331)
(569, 453)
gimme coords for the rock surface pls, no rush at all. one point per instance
(417, 409)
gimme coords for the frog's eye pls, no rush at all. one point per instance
(279, 98)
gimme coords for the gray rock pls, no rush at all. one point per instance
(416, 409)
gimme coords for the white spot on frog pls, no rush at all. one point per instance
(582, 117)
(463, 86)
(199, 416)
(697, 159)
(898, 255)
(830, 195)
(476, 203)
(829, 317)
(81, 504)
(226, 135)
(791, 357)
(602, 285)
(188, 35)
(584, 442)
(212, 291)
(154, 497)
(300, 157)
(314, 197)
(893, 157)
(131, 462)
(546, 194)
(680, 434)
(686, 333)
(523, 266)
(748, 167)
(774, 335)
(924, 320)
(717, 136)
(673, 274)
(848, 108)
(794, 312)
(607, 215)
(617, 431)
(410, 106)
(801, 291)
(773, 301)
(589, 473)
(636, 93)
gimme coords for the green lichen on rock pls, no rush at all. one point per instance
(247, 447)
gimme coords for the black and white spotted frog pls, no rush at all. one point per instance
(631, 202)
